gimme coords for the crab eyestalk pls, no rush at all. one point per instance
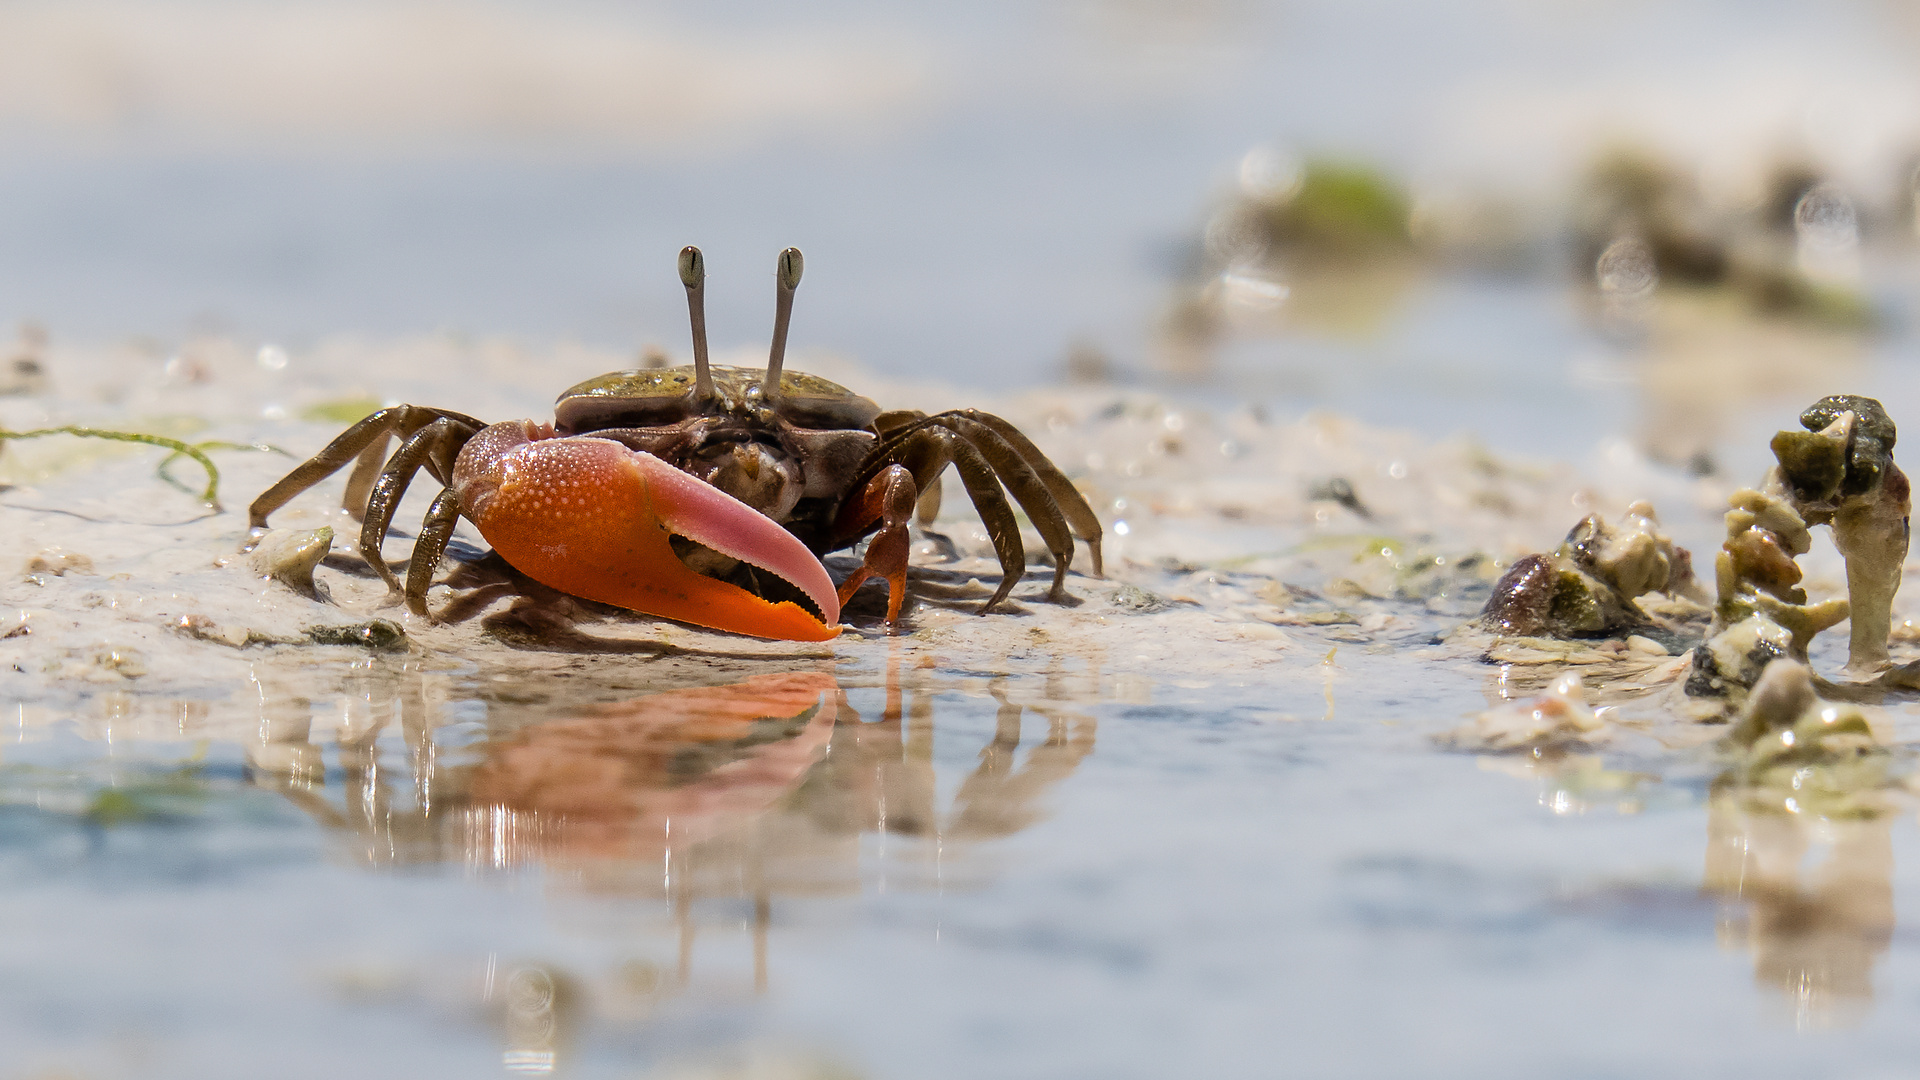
(789, 270)
(693, 274)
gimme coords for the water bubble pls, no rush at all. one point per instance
(271, 358)
(1626, 268)
(1269, 175)
(1824, 218)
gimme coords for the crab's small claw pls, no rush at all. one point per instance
(592, 518)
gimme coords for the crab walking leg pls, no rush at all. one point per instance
(1086, 525)
(366, 470)
(1011, 444)
(403, 420)
(890, 497)
(435, 531)
(391, 487)
(926, 451)
(592, 518)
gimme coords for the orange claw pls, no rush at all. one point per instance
(590, 517)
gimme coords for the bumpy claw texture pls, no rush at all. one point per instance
(592, 518)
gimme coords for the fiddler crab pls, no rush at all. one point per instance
(772, 470)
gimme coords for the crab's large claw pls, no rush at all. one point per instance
(590, 517)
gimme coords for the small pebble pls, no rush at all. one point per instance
(290, 557)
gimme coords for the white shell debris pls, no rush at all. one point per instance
(290, 557)
(1559, 717)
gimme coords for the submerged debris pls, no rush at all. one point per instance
(128, 663)
(1138, 601)
(206, 629)
(1558, 718)
(383, 635)
(1630, 199)
(1793, 753)
(58, 562)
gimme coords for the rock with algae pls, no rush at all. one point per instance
(382, 635)
(1590, 585)
(1838, 472)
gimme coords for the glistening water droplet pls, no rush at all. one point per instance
(1824, 218)
(1626, 268)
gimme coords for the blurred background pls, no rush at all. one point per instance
(1539, 222)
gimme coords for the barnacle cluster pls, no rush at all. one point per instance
(1839, 472)
(1590, 586)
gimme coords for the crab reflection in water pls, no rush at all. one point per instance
(721, 797)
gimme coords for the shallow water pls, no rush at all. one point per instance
(1196, 823)
(939, 871)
